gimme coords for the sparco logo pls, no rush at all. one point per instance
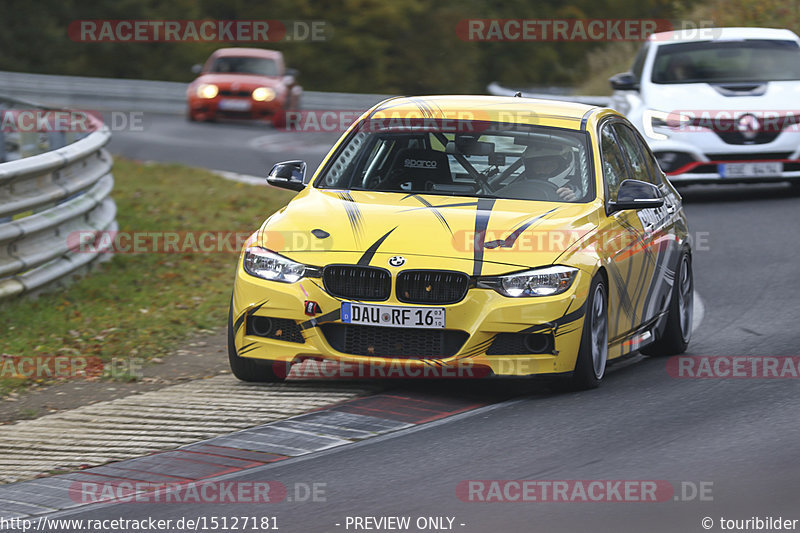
(419, 163)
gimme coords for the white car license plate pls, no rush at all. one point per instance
(751, 170)
(393, 316)
(234, 105)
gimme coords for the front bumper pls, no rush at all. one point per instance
(210, 108)
(485, 320)
(695, 157)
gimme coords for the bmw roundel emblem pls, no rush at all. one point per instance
(397, 261)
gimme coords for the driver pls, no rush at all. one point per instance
(555, 165)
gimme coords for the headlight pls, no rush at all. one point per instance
(538, 282)
(264, 264)
(659, 119)
(207, 90)
(263, 94)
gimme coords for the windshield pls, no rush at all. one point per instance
(245, 65)
(727, 62)
(500, 161)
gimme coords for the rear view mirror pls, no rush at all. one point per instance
(197, 69)
(498, 160)
(635, 194)
(624, 81)
(288, 175)
(469, 145)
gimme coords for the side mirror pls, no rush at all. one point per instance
(635, 194)
(288, 175)
(293, 72)
(624, 81)
(197, 69)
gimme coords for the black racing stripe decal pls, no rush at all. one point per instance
(370, 253)
(384, 105)
(662, 275)
(562, 331)
(463, 204)
(557, 323)
(239, 321)
(427, 110)
(640, 238)
(622, 291)
(509, 241)
(478, 349)
(246, 348)
(435, 210)
(642, 280)
(483, 212)
(353, 213)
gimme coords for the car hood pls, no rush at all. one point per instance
(246, 81)
(479, 236)
(777, 96)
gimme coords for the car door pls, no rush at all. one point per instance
(660, 224)
(621, 239)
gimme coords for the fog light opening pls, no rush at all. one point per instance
(261, 325)
(538, 343)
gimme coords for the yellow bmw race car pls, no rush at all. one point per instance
(468, 236)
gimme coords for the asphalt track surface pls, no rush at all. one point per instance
(741, 435)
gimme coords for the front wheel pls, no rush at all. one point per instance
(246, 369)
(593, 352)
(678, 330)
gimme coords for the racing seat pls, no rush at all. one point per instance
(415, 169)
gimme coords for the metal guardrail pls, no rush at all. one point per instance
(109, 94)
(498, 90)
(45, 199)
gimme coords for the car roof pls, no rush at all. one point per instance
(246, 52)
(489, 108)
(722, 34)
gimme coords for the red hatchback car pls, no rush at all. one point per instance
(244, 83)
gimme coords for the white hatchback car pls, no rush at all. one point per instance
(717, 105)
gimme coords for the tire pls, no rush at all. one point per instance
(590, 365)
(251, 370)
(794, 187)
(678, 330)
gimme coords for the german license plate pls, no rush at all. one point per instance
(393, 316)
(234, 105)
(751, 170)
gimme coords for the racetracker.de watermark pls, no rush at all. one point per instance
(619, 243)
(581, 490)
(569, 29)
(68, 367)
(192, 31)
(396, 369)
(399, 120)
(69, 121)
(189, 242)
(734, 367)
(200, 492)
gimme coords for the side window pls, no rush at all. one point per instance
(641, 162)
(638, 62)
(613, 164)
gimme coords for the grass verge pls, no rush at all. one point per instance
(139, 305)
